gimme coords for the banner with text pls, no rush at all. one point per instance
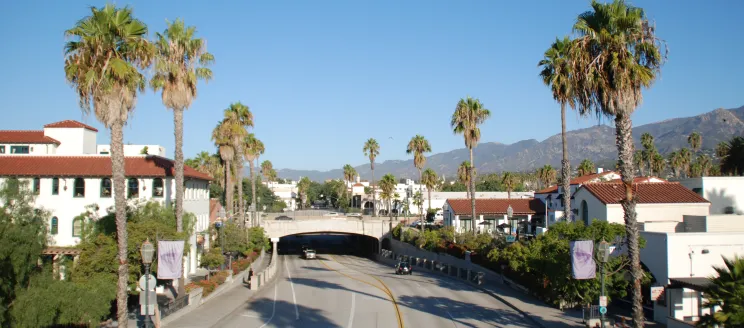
(582, 259)
(170, 256)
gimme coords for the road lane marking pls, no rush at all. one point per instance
(294, 298)
(351, 315)
(273, 309)
(384, 288)
(454, 323)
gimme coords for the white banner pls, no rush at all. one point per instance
(170, 257)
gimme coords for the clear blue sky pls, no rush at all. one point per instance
(323, 76)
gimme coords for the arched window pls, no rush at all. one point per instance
(77, 227)
(105, 188)
(132, 188)
(585, 212)
(54, 226)
(157, 187)
(55, 186)
(37, 186)
(79, 187)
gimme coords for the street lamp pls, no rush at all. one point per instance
(603, 253)
(220, 224)
(147, 250)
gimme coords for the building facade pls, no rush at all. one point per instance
(726, 194)
(492, 215)
(63, 168)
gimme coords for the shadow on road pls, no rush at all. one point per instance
(461, 312)
(283, 314)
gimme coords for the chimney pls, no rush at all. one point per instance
(357, 179)
(600, 170)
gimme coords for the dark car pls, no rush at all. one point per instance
(403, 268)
(283, 217)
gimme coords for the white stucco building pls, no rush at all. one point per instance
(65, 171)
(553, 196)
(726, 194)
(287, 192)
(656, 201)
(491, 214)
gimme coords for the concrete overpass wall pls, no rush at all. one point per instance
(372, 228)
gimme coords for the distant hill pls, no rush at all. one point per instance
(596, 143)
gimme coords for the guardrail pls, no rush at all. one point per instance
(466, 274)
(260, 279)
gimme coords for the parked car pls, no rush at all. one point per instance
(283, 217)
(403, 268)
(354, 215)
(331, 214)
(309, 254)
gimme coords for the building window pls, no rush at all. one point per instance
(698, 191)
(105, 188)
(54, 226)
(37, 186)
(585, 212)
(19, 149)
(132, 188)
(2, 149)
(77, 227)
(55, 186)
(157, 187)
(79, 187)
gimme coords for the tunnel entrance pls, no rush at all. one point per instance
(329, 243)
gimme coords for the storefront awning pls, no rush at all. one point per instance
(694, 283)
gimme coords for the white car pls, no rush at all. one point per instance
(309, 254)
(331, 214)
(354, 215)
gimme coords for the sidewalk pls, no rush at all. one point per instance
(214, 309)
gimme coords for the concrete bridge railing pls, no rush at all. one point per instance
(371, 228)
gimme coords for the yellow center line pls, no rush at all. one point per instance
(384, 288)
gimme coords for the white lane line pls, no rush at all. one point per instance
(454, 323)
(294, 298)
(273, 310)
(353, 305)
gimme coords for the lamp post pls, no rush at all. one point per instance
(221, 226)
(509, 214)
(603, 253)
(147, 250)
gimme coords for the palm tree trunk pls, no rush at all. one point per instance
(624, 140)
(229, 189)
(421, 183)
(178, 122)
(472, 188)
(120, 204)
(565, 169)
(239, 173)
(374, 193)
(254, 202)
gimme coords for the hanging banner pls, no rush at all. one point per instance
(170, 258)
(582, 259)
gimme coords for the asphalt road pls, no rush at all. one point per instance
(349, 291)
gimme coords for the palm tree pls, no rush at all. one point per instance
(616, 55)
(429, 179)
(725, 292)
(638, 162)
(252, 149)
(658, 164)
(463, 175)
(238, 119)
(722, 149)
(585, 168)
(695, 140)
(732, 163)
(302, 187)
(418, 146)
(267, 170)
(648, 153)
(509, 181)
(102, 63)
(221, 135)
(556, 74)
(371, 150)
(469, 114)
(686, 160)
(180, 62)
(387, 185)
(546, 175)
(676, 161)
(705, 164)
(350, 173)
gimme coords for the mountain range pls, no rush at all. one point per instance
(596, 143)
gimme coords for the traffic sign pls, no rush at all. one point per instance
(152, 283)
(511, 239)
(602, 310)
(603, 301)
(152, 298)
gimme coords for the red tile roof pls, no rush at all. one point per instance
(645, 193)
(497, 206)
(26, 137)
(70, 124)
(358, 185)
(641, 180)
(575, 181)
(91, 166)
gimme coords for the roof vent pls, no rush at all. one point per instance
(600, 170)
